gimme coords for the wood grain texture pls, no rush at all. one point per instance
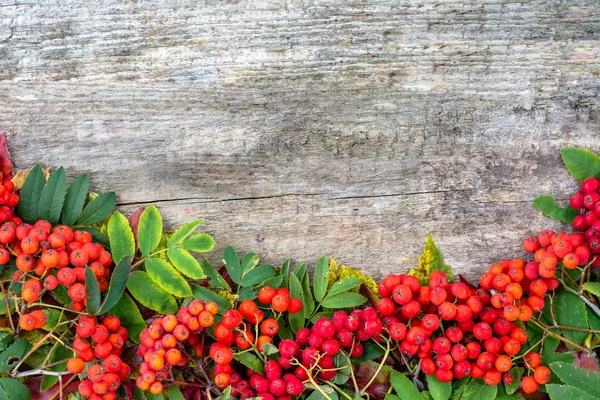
(303, 128)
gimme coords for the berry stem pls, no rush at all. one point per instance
(40, 371)
(336, 387)
(562, 339)
(385, 356)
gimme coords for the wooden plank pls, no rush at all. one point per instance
(307, 128)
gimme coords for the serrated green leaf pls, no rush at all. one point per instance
(30, 195)
(344, 300)
(562, 392)
(592, 287)
(431, 260)
(130, 316)
(174, 393)
(343, 285)
(258, 274)
(122, 242)
(75, 199)
(183, 232)
(584, 379)
(93, 292)
(149, 230)
(147, 292)
(98, 209)
(97, 236)
(202, 293)
(167, 277)
(201, 243)
(53, 196)
(477, 390)
(547, 205)
(251, 361)
(216, 280)
(232, 264)
(321, 278)
(14, 390)
(438, 390)
(59, 353)
(186, 263)
(570, 311)
(581, 163)
(55, 317)
(296, 320)
(404, 388)
(118, 283)
(13, 354)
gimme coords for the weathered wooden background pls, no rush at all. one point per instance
(303, 128)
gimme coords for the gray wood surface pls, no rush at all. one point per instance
(309, 128)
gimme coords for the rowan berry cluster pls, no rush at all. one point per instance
(454, 329)
(100, 346)
(163, 342)
(41, 250)
(8, 200)
(587, 202)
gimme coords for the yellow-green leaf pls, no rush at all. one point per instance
(122, 242)
(186, 263)
(149, 230)
(147, 292)
(167, 277)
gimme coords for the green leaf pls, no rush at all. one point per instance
(59, 353)
(296, 320)
(183, 232)
(284, 271)
(274, 282)
(167, 277)
(11, 304)
(174, 393)
(581, 163)
(13, 354)
(570, 310)
(322, 314)
(246, 293)
(150, 294)
(226, 394)
(118, 283)
(251, 361)
(93, 291)
(458, 387)
(516, 373)
(309, 301)
(186, 263)
(130, 316)
(55, 317)
(98, 209)
(371, 351)
(258, 274)
(439, 390)
(216, 280)
(96, 235)
(14, 389)
(249, 261)
(344, 300)
(547, 205)
(321, 278)
(202, 293)
(53, 196)
(138, 394)
(549, 358)
(149, 230)
(431, 260)
(343, 285)
(201, 243)
(584, 379)
(75, 199)
(122, 242)
(477, 390)
(232, 264)
(404, 388)
(593, 319)
(30, 195)
(562, 392)
(592, 287)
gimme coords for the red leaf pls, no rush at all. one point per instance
(134, 221)
(5, 163)
(34, 387)
(586, 361)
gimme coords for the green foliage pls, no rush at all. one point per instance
(321, 279)
(93, 291)
(30, 195)
(129, 314)
(343, 285)
(13, 354)
(477, 390)
(570, 310)
(438, 390)
(12, 389)
(149, 230)
(344, 300)
(75, 199)
(581, 163)
(216, 280)
(404, 388)
(200, 243)
(592, 287)
(251, 361)
(202, 293)
(547, 205)
(58, 353)
(582, 379)
(185, 263)
(98, 209)
(296, 320)
(258, 274)
(118, 283)
(53, 196)
(122, 242)
(174, 393)
(147, 292)
(167, 277)
(232, 264)
(183, 232)
(431, 260)
(562, 392)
